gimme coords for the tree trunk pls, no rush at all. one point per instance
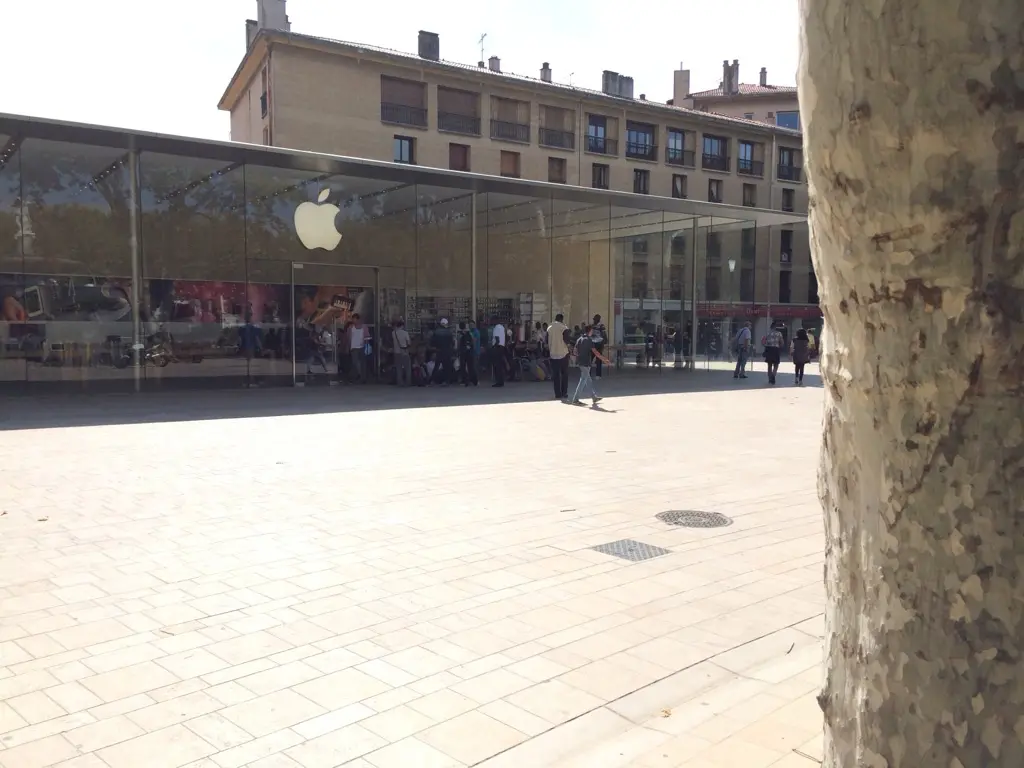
(913, 117)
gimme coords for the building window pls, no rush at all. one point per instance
(714, 242)
(789, 164)
(403, 101)
(812, 288)
(458, 157)
(786, 244)
(746, 284)
(713, 282)
(715, 155)
(266, 135)
(785, 286)
(598, 140)
(556, 170)
(788, 120)
(640, 141)
(599, 176)
(748, 244)
(679, 245)
(405, 150)
(746, 163)
(510, 164)
(748, 115)
(788, 198)
(641, 181)
(675, 148)
(679, 186)
(750, 195)
(714, 190)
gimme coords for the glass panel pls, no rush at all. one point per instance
(195, 313)
(15, 229)
(77, 287)
(637, 245)
(516, 283)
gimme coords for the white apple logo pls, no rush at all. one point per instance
(314, 223)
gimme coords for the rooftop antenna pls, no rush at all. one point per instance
(570, 77)
(481, 41)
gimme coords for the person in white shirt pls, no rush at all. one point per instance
(741, 346)
(498, 352)
(558, 349)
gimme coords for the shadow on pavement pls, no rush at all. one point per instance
(88, 409)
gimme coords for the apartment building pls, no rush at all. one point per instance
(309, 92)
(773, 104)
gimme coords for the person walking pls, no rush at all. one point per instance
(475, 333)
(498, 353)
(467, 357)
(444, 343)
(400, 343)
(741, 346)
(801, 352)
(587, 358)
(773, 342)
(558, 351)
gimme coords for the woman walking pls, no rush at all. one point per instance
(801, 354)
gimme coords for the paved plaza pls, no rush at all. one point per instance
(375, 578)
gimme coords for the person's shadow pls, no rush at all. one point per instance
(595, 407)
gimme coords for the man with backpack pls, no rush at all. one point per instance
(467, 356)
(587, 358)
(558, 352)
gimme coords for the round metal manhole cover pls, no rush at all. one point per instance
(688, 518)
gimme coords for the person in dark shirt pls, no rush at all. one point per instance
(587, 356)
(467, 356)
(444, 344)
(599, 337)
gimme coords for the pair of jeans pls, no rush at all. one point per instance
(443, 369)
(741, 363)
(498, 365)
(358, 358)
(586, 381)
(403, 369)
(560, 375)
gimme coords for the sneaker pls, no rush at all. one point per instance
(743, 376)
(597, 400)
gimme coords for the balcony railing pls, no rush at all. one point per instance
(602, 145)
(502, 129)
(263, 105)
(554, 137)
(456, 123)
(676, 156)
(641, 151)
(403, 114)
(714, 162)
(750, 167)
(789, 172)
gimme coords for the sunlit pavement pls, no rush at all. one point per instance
(400, 587)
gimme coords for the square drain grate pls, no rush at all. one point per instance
(634, 551)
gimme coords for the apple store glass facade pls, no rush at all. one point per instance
(134, 261)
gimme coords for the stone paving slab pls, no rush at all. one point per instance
(340, 578)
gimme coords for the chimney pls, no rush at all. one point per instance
(735, 77)
(251, 28)
(272, 14)
(726, 78)
(429, 46)
(481, 64)
(626, 87)
(494, 64)
(610, 83)
(643, 97)
(764, 76)
(681, 87)
(545, 72)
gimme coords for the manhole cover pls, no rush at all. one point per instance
(628, 549)
(688, 518)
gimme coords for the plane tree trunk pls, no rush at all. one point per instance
(913, 115)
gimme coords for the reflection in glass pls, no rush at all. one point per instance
(75, 236)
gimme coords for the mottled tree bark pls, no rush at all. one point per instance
(913, 117)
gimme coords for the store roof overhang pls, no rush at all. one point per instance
(647, 209)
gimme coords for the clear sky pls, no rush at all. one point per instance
(162, 65)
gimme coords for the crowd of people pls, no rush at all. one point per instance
(801, 350)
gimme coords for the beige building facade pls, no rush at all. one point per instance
(306, 92)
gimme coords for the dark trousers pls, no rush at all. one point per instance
(467, 366)
(560, 375)
(598, 363)
(443, 369)
(772, 355)
(799, 370)
(498, 363)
